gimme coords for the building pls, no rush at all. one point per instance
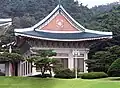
(4, 26)
(5, 21)
(61, 33)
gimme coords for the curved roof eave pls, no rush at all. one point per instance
(6, 20)
(24, 29)
(53, 39)
(98, 32)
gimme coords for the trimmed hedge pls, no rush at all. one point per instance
(65, 73)
(2, 74)
(94, 75)
(44, 76)
(114, 69)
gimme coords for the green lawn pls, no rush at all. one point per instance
(18, 82)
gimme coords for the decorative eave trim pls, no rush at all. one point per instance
(23, 30)
(58, 31)
(6, 20)
(44, 48)
(6, 24)
(98, 32)
(86, 30)
(30, 36)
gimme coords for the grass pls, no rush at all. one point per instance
(24, 82)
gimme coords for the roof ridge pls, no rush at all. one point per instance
(59, 8)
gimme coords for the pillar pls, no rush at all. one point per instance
(85, 64)
(6, 69)
(25, 69)
(71, 61)
(30, 68)
(10, 69)
(20, 69)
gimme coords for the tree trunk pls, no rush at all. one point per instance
(43, 72)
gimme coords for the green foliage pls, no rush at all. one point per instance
(104, 8)
(94, 75)
(114, 69)
(65, 73)
(8, 37)
(101, 60)
(46, 53)
(2, 74)
(107, 21)
(104, 21)
(78, 11)
(13, 57)
(42, 76)
(43, 61)
(26, 13)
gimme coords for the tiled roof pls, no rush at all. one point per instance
(63, 36)
(82, 34)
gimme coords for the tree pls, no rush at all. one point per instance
(101, 60)
(104, 8)
(13, 58)
(114, 69)
(44, 61)
(39, 9)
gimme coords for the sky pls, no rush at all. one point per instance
(92, 3)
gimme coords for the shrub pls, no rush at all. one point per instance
(114, 69)
(65, 73)
(94, 75)
(2, 74)
(43, 76)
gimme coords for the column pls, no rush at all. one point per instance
(10, 68)
(85, 64)
(33, 68)
(71, 61)
(30, 68)
(6, 69)
(25, 68)
(20, 69)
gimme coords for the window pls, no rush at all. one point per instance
(64, 62)
(80, 64)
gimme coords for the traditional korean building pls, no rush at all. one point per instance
(5, 23)
(61, 33)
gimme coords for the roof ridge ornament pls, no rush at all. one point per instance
(59, 3)
(59, 6)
